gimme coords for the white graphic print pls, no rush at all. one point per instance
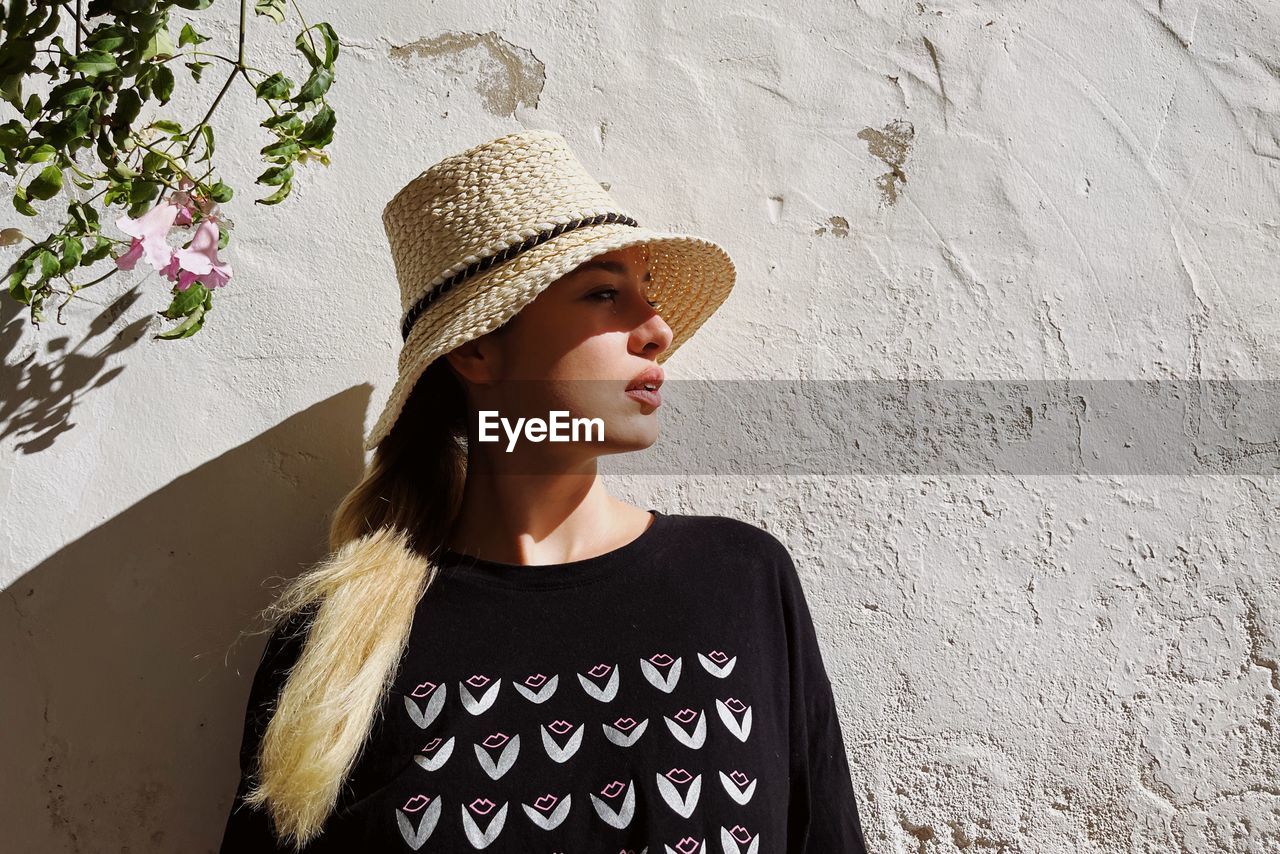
(537, 687)
(478, 682)
(625, 731)
(506, 758)
(432, 755)
(609, 691)
(717, 663)
(650, 668)
(554, 750)
(546, 813)
(433, 695)
(739, 786)
(619, 817)
(482, 807)
(683, 804)
(733, 841)
(683, 718)
(728, 709)
(615, 804)
(414, 837)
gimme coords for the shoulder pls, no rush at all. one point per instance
(730, 539)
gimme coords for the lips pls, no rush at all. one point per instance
(651, 377)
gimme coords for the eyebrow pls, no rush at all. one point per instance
(616, 267)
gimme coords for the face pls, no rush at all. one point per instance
(576, 347)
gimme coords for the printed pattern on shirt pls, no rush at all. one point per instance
(682, 789)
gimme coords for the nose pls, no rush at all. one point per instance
(652, 336)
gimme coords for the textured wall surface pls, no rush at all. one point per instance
(1055, 663)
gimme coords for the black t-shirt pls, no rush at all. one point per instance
(667, 696)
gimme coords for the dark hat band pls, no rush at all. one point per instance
(510, 252)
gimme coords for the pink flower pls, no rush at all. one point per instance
(128, 260)
(200, 261)
(150, 235)
(184, 200)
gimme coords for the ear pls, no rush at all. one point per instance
(478, 361)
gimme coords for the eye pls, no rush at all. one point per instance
(608, 295)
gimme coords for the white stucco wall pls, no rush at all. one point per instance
(961, 189)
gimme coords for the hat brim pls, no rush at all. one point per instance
(692, 276)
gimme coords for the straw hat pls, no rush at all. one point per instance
(478, 235)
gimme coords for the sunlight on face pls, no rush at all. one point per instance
(578, 345)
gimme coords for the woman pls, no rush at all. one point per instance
(498, 653)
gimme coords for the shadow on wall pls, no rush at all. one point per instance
(38, 393)
(125, 675)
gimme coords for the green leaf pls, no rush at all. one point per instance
(71, 93)
(286, 124)
(16, 56)
(319, 129)
(329, 39)
(197, 5)
(48, 264)
(12, 134)
(84, 215)
(206, 133)
(303, 43)
(185, 302)
(275, 87)
(196, 69)
(141, 195)
(273, 9)
(315, 87)
(101, 249)
(220, 192)
(107, 39)
(72, 250)
(20, 202)
(39, 154)
(276, 197)
(128, 105)
(32, 110)
(47, 184)
(194, 302)
(91, 63)
(163, 84)
(17, 275)
(276, 175)
(190, 36)
(167, 126)
(152, 161)
(284, 149)
(11, 89)
(159, 46)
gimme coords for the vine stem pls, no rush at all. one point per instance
(239, 69)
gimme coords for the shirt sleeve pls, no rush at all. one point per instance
(249, 830)
(823, 815)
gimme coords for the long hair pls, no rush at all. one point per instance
(359, 603)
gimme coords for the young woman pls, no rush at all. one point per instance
(498, 654)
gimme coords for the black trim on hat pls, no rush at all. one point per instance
(510, 252)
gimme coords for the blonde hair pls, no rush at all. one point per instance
(360, 603)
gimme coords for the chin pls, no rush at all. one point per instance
(630, 434)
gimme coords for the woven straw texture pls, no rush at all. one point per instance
(481, 201)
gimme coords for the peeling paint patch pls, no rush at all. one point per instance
(504, 75)
(837, 225)
(892, 144)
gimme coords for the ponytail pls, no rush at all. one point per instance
(383, 539)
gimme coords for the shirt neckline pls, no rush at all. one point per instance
(553, 575)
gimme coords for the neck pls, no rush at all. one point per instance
(532, 519)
